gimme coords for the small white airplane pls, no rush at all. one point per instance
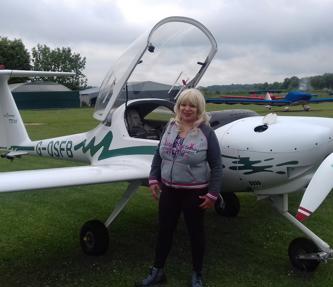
(269, 156)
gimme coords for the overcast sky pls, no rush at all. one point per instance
(258, 40)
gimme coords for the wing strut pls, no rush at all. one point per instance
(94, 235)
(131, 189)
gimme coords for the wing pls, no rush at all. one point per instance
(321, 100)
(69, 176)
(248, 101)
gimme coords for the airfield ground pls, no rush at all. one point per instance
(39, 230)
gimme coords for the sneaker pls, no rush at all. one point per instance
(155, 276)
(196, 280)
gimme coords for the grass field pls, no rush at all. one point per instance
(39, 230)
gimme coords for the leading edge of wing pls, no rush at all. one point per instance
(248, 101)
(320, 100)
(71, 176)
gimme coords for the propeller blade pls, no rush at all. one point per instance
(317, 190)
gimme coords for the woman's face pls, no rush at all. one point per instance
(188, 112)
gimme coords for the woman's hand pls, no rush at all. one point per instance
(207, 202)
(155, 190)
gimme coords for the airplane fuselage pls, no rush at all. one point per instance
(276, 158)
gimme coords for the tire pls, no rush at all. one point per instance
(227, 205)
(303, 246)
(94, 238)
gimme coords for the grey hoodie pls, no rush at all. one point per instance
(193, 164)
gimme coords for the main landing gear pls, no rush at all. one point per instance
(227, 205)
(305, 254)
(94, 238)
(94, 234)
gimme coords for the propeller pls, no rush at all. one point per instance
(317, 190)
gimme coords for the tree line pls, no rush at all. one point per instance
(321, 82)
(14, 56)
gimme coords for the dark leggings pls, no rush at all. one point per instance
(172, 202)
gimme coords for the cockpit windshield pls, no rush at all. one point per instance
(173, 55)
(116, 75)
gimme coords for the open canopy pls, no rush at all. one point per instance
(175, 54)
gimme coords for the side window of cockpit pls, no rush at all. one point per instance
(149, 126)
(158, 118)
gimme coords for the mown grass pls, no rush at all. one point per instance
(39, 230)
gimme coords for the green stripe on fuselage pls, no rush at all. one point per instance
(105, 143)
(128, 151)
(22, 148)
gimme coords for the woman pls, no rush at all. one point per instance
(185, 177)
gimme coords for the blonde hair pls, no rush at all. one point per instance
(194, 97)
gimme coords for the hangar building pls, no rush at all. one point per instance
(44, 95)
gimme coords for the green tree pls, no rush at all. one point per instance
(14, 56)
(328, 80)
(317, 82)
(60, 60)
(291, 83)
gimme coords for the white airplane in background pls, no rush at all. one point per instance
(269, 156)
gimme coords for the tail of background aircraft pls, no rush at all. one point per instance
(268, 97)
(12, 129)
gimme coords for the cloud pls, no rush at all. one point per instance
(66, 21)
(258, 40)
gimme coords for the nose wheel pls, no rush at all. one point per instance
(94, 238)
(303, 254)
